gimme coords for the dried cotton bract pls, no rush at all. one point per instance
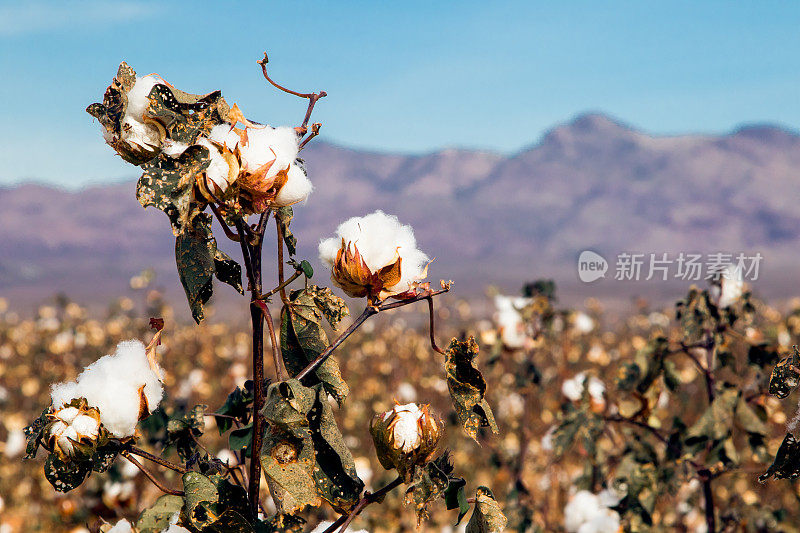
(405, 436)
(374, 256)
(123, 386)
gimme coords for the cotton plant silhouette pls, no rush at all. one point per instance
(203, 160)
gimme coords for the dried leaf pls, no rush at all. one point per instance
(487, 516)
(467, 387)
(787, 461)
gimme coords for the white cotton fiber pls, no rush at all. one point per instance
(112, 384)
(173, 148)
(296, 189)
(264, 144)
(123, 526)
(508, 317)
(173, 526)
(137, 96)
(379, 238)
(586, 513)
(218, 169)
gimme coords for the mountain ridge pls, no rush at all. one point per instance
(593, 182)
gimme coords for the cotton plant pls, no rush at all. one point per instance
(203, 160)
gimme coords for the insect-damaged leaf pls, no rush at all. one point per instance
(787, 461)
(331, 306)
(487, 516)
(428, 486)
(156, 518)
(199, 260)
(183, 430)
(167, 184)
(186, 116)
(303, 339)
(228, 271)
(304, 457)
(785, 376)
(33, 433)
(467, 387)
(65, 475)
(212, 502)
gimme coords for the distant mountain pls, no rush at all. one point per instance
(592, 183)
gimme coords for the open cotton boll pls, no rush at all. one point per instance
(379, 239)
(586, 513)
(508, 317)
(138, 95)
(123, 526)
(218, 169)
(112, 385)
(173, 148)
(730, 288)
(296, 189)
(264, 144)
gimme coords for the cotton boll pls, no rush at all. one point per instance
(112, 385)
(379, 239)
(138, 95)
(218, 169)
(225, 135)
(265, 144)
(15, 444)
(123, 526)
(173, 526)
(509, 319)
(296, 189)
(581, 508)
(406, 428)
(731, 287)
(583, 323)
(573, 388)
(173, 148)
(596, 389)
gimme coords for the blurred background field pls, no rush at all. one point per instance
(390, 359)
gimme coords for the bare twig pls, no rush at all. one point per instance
(281, 282)
(368, 312)
(150, 476)
(276, 353)
(314, 132)
(283, 285)
(433, 326)
(312, 97)
(228, 233)
(156, 459)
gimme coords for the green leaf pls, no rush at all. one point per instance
(194, 255)
(65, 476)
(749, 420)
(308, 270)
(238, 405)
(785, 376)
(787, 461)
(716, 422)
(227, 270)
(487, 516)
(167, 184)
(455, 497)
(303, 339)
(241, 439)
(467, 387)
(184, 429)
(283, 216)
(156, 518)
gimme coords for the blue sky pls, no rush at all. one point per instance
(410, 77)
